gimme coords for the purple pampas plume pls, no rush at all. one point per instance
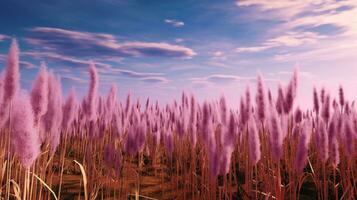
(291, 91)
(280, 100)
(260, 98)
(39, 94)
(298, 115)
(248, 104)
(316, 101)
(112, 158)
(92, 93)
(53, 118)
(334, 153)
(254, 142)
(276, 135)
(128, 105)
(349, 137)
(223, 110)
(193, 121)
(207, 126)
(270, 98)
(24, 137)
(303, 147)
(12, 74)
(110, 103)
(226, 156)
(325, 111)
(341, 96)
(242, 112)
(322, 95)
(69, 110)
(231, 131)
(322, 140)
(214, 158)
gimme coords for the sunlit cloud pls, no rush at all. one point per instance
(291, 39)
(87, 44)
(220, 78)
(174, 22)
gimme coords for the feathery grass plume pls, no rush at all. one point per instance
(92, 97)
(248, 105)
(39, 94)
(12, 74)
(207, 126)
(112, 158)
(322, 140)
(276, 136)
(260, 98)
(341, 96)
(316, 100)
(349, 137)
(334, 153)
(4, 108)
(347, 109)
(226, 156)
(53, 118)
(322, 95)
(231, 131)
(298, 115)
(223, 110)
(325, 111)
(290, 93)
(279, 105)
(110, 102)
(193, 121)
(242, 112)
(214, 158)
(128, 104)
(303, 146)
(24, 137)
(254, 142)
(228, 140)
(270, 98)
(69, 110)
(168, 139)
(295, 79)
(130, 142)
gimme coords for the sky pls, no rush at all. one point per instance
(160, 48)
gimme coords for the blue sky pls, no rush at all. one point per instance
(210, 48)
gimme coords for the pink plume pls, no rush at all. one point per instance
(69, 110)
(276, 135)
(12, 74)
(260, 98)
(39, 94)
(24, 137)
(92, 97)
(303, 147)
(254, 142)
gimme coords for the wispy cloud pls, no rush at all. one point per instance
(73, 78)
(71, 61)
(303, 74)
(87, 45)
(3, 37)
(141, 76)
(220, 78)
(291, 39)
(301, 24)
(154, 79)
(131, 74)
(174, 22)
